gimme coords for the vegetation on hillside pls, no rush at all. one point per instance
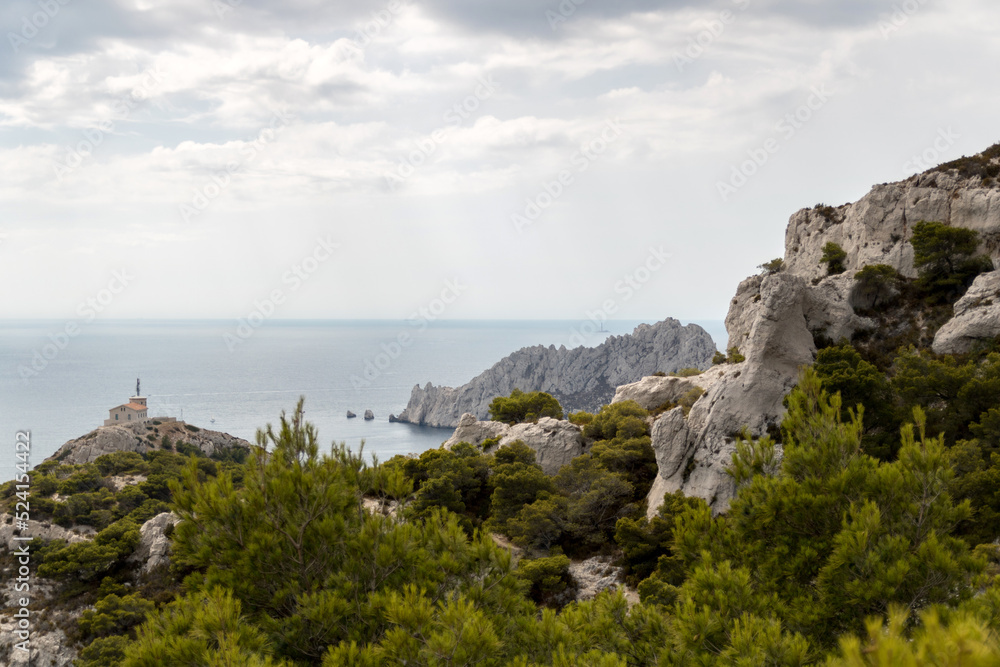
(868, 537)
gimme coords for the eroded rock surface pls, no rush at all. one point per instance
(977, 318)
(583, 378)
(143, 437)
(556, 442)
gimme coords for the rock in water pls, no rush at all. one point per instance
(583, 378)
(351, 415)
(369, 415)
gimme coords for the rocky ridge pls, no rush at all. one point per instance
(775, 319)
(583, 378)
(142, 437)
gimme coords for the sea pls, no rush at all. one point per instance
(58, 380)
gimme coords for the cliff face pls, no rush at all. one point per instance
(774, 320)
(583, 378)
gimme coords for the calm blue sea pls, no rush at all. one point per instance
(188, 371)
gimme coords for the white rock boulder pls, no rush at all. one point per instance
(976, 320)
(556, 442)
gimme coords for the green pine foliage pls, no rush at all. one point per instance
(522, 407)
(945, 257)
(834, 257)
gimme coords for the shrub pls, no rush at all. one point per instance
(114, 615)
(875, 286)
(548, 577)
(192, 428)
(688, 372)
(772, 267)
(520, 407)
(734, 356)
(719, 358)
(689, 398)
(580, 418)
(833, 257)
(624, 419)
(120, 463)
(945, 258)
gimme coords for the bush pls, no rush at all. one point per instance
(85, 561)
(688, 373)
(833, 257)
(193, 429)
(114, 615)
(548, 577)
(187, 449)
(719, 358)
(121, 463)
(625, 419)
(875, 286)
(945, 258)
(520, 407)
(772, 267)
(580, 418)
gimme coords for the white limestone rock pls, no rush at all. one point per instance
(556, 442)
(142, 437)
(767, 321)
(976, 320)
(45, 530)
(653, 391)
(154, 544)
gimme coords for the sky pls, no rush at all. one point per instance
(470, 159)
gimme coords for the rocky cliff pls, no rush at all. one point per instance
(583, 378)
(775, 319)
(142, 437)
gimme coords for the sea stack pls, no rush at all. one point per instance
(369, 415)
(351, 415)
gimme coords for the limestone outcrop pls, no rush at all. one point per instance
(154, 542)
(142, 437)
(976, 320)
(654, 391)
(877, 229)
(774, 321)
(582, 378)
(556, 442)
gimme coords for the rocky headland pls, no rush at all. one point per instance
(582, 378)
